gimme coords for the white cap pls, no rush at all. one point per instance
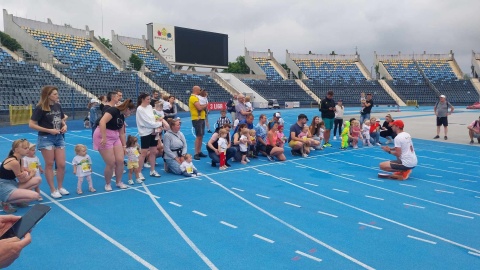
(94, 100)
(442, 96)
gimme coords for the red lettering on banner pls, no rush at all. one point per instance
(217, 106)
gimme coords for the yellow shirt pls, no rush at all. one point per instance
(193, 110)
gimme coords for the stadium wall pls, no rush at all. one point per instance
(254, 67)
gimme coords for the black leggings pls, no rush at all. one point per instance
(337, 122)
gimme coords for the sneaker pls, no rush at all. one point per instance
(113, 174)
(222, 168)
(8, 208)
(406, 174)
(436, 137)
(247, 160)
(334, 138)
(40, 199)
(471, 142)
(63, 191)
(355, 147)
(201, 154)
(121, 185)
(139, 181)
(445, 137)
(209, 131)
(130, 181)
(214, 164)
(305, 155)
(108, 187)
(155, 174)
(312, 149)
(146, 165)
(196, 157)
(199, 174)
(141, 177)
(270, 158)
(56, 194)
(327, 145)
(343, 148)
(378, 144)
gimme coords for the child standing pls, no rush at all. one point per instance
(366, 132)
(253, 143)
(32, 163)
(222, 148)
(244, 145)
(132, 154)
(82, 167)
(223, 119)
(187, 167)
(375, 130)
(356, 133)
(345, 135)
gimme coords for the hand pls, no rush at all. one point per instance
(10, 249)
(386, 148)
(63, 129)
(217, 152)
(103, 142)
(54, 131)
(6, 222)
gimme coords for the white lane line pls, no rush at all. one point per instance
(428, 165)
(327, 214)
(465, 180)
(444, 191)
(310, 184)
(101, 233)
(455, 168)
(262, 196)
(322, 171)
(179, 230)
(228, 224)
(339, 190)
(199, 213)
(371, 226)
(344, 174)
(474, 254)
(378, 180)
(264, 238)
(478, 197)
(458, 215)
(292, 204)
(407, 185)
(237, 189)
(433, 175)
(375, 198)
(297, 230)
(412, 205)
(176, 204)
(423, 240)
(286, 179)
(308, 256)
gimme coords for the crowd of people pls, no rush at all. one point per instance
(234, 139)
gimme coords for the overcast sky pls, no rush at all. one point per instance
(320, 26)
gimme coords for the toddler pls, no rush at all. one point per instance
(187, 167)
(356, 133)
(202, 99)
(166, 105)
(306, 141)
(366, 132)
(320, 134)
(281, 136)
(345, 135)
(248, 104)
(32, 164)
(82, 167)
(362, 101)
(159, 116)
(253, 142)
(222, 148)
(223, 119)
(244, 145)
(132, 154)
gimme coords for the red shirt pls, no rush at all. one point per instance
(373, 127)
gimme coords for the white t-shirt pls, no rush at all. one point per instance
(223, 144)
(243, 144)
(84, 165)
(366, 131)
(187, 167)
(132, 154)
(32, 163)
(166, 105)
(249, 106)
(404, 142)
(202, 100)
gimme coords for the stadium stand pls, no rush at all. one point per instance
(21, 82)
(330, 70)
(88, 68)
(268, 68)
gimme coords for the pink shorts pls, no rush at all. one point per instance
(113, 139)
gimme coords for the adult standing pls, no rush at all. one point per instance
(442, 113)
(48, 119)
(175, 147)
(295, 142)
(327, 107)
(367, 109)
(241, 111)
(146, 125)
(273, 142)
(474, 130)
(109, 139)
(406, 159)
(338, 121)
(212, 147)
(197, 113)
(231, 106)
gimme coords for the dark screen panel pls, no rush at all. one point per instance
(200, 47)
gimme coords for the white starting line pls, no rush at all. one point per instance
(308, 256)
(264, 238)
(412, 205)
(423, 240)
(458, 215)
(371, 226)
(327, 214)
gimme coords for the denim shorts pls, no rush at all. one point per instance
(50, 142)
(7, 187)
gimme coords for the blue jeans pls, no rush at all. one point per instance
(363, 117)
(173, 166)
(374, 138)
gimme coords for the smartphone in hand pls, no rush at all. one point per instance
(27, 222)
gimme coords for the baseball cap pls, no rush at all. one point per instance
(442, 96)
(302, 116)
(398, 123)
(277, 114)
(30, 145)
(281, 121)
(94, 100)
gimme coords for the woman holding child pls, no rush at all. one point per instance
(273, 142)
